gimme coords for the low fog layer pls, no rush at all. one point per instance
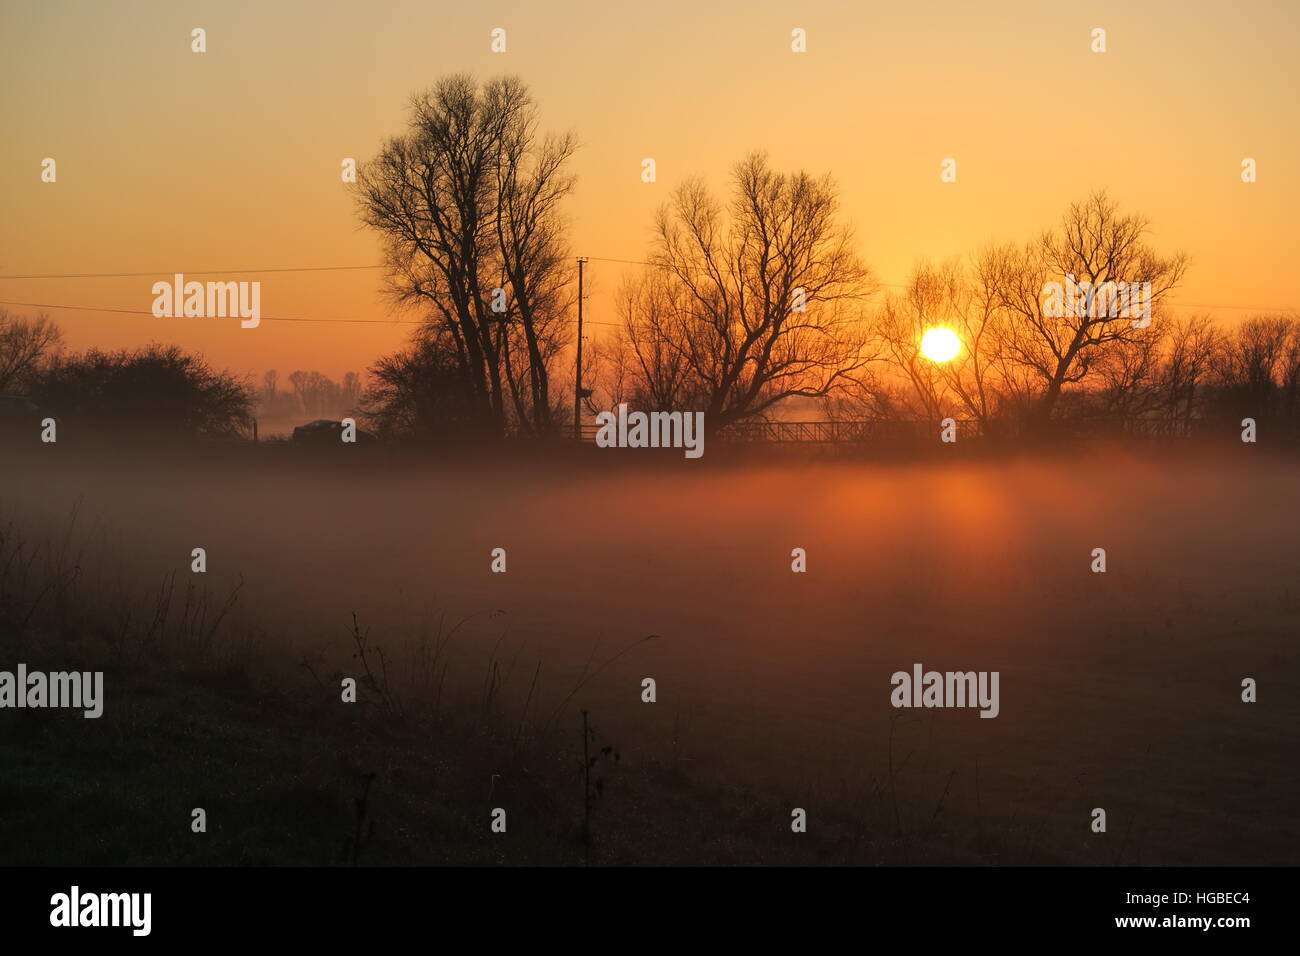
(1118, 689)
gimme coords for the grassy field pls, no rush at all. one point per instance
(1118, 690)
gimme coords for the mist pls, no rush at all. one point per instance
(780, 680)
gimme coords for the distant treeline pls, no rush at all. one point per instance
(156, 389)
(1183, 376)
(310, 395)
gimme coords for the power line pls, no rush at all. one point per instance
(210, 272)
(629, 262)
(161, 272)
(264, 318)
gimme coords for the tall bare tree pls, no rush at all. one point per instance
(1094, 245)
(467, 200)
(530, 185)
(759, 302)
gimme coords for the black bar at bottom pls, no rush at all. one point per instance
(335, 906)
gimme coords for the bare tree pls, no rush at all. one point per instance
(929, 301)
(316, 391)
(419, 392)
(467, 200)
(647, 364)
(531, 184)
(1094, 249)
(1288, 373)
(760, 301)
(1255, 353)
(1129, 376)
(979, 374)
(1192, 346)
(979, 382)
(350, 390)
(1255, 369)
(26, 345)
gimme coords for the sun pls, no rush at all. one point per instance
(940, 345)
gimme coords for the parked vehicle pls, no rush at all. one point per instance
(18, 412)
(324, 431)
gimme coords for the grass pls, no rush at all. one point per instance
(1120, 690)
(288, 775)
(299, 780)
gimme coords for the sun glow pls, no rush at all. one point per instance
(940, 345)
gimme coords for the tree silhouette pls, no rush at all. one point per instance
(1096, 245)
(157, 390)
(467, 201)
(25, 346)
(760, 301)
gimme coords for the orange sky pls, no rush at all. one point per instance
(180, 162)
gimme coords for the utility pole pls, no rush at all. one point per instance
(579, 393)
